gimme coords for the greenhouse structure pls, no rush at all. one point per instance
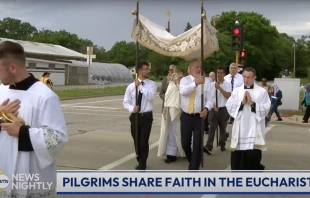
(106, 72)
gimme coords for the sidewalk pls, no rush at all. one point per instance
(296, 120)
(66, 87)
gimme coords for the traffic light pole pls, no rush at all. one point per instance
(237, 57)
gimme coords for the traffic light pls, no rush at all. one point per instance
(242, 57)
(237, 39)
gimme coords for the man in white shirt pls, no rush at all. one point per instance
(144, 108)
(190, 91)
(248, 105)
(218, 115)
(212, 76)
(235, 79)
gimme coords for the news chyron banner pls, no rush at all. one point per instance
(169, 182)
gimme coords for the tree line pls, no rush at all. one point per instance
(268, 51)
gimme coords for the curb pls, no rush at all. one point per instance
(96, 96)
(85, 97)
(290, 123)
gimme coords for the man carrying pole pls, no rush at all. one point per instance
(141, 117)
(192, 116)
(218, 115)
(140, 105)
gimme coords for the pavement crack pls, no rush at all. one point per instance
(81, 132)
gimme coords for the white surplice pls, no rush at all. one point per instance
(41, 110)
(248, 130)
(170, 134)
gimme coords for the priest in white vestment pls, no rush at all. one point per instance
(28, 143)
(170, 135)
(248, 105)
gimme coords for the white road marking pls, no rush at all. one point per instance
(102, 114)
(125, 159)
(99, 101)
(99, 114)
(92, 107)
(154, 145)
(102, 110)
(228, 167)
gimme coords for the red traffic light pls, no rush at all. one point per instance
(236, 31)
(242, 54)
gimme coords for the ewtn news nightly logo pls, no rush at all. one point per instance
(183, 182)
(23, 182)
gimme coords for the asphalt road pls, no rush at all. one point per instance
(99, 138)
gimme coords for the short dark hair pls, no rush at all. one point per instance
(140, 65)
(250, 69)
(221, 68)
(12, 50)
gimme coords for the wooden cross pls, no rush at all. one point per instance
(89, 55)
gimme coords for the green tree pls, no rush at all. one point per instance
(63, 38)
(188, 27)
(122, 52)
(260, 40)
(16, 29)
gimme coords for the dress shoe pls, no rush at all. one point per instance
(137, 167)
(169, 160)
(206, 150)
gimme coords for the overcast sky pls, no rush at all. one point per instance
(107, 21)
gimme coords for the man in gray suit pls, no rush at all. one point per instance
(164, 86)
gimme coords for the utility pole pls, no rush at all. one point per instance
(90, 56)
(294, 44)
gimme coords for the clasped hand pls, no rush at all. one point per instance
(137, 83)
(204, 113)
(200, 80)
(247, 98)
(11, 109)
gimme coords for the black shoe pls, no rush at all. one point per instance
(279, 119)
(137, 167)
(170, 159)
(206, 150)
(223, 148)
(227, 135)
(230, 122)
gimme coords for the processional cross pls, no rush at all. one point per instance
(89, 56)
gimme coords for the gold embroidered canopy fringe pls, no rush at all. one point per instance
(186, 45)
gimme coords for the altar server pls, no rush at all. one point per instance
(248, 105)
(147, 90)
(190, 91)
(170, 135)
(28, 143)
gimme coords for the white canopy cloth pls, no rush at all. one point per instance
(186, 45)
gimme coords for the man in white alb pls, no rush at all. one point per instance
(218, 115)
(28, 143)
(144, 108)
(248, 105)
(235, 79)
(190, 91)
(170, 134)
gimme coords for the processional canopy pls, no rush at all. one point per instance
(186, 45)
